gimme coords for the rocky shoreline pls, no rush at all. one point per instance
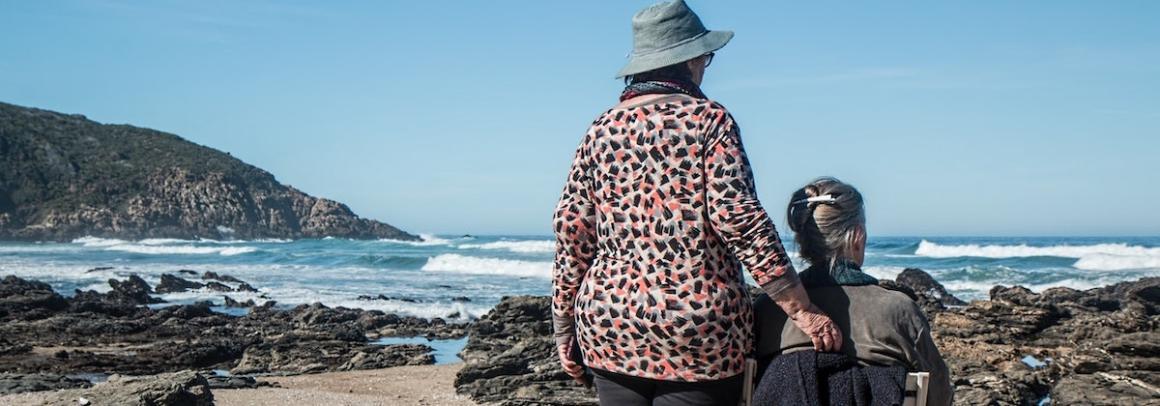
(1099, 346)
(47, 340)
(1075, 347)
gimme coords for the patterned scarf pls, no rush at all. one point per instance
(843, 273)
(661, 87)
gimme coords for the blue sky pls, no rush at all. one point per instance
(955, 118)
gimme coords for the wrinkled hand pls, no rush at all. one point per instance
(571, 366)
(820, 328)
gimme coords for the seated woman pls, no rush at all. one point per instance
(882, 328)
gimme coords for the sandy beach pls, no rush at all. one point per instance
(428, 385)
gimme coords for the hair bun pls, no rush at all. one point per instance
(825, 233)
(811, 190)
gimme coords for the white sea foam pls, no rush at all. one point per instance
(296, 295)
(1097, 257)
(38, 247)
(180, 249)
(105, 242)
(934, 250)
(163, 241)
(487, 266)
(428, 240)
(465, 311)
(980, 289)
(98, 242)
(883, 272)
(1105, 262)
(530, 246)
(255, 241)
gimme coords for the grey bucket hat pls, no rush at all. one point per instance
(667, 33)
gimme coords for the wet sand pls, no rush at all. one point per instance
(427, 385)
(407, 385)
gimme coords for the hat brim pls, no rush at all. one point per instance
(711, 41)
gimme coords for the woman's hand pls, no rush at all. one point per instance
(572, 366)
(821, 329)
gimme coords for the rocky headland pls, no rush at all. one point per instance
(63, 176)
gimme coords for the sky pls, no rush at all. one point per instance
(989, 118)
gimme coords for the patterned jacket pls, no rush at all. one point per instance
(658, 216)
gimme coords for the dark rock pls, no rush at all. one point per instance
(234, 382)
(385, 297)
(67, 177)
(187, 272)
(123, 336)
(185, 388)
(28, 300)
(174, 284)
(134, 290)
(211, 275)
(99, 269)
(461, 299)
(19, 383)
(1103, 388)
(510, 358)
(12, 348)
(1092, 338)
(390, 356)
(932, 296)
(113, 303)
(218, 287)
(230, 302)
(187, 312)
(996, 321)
(245, 287)
(289, 357)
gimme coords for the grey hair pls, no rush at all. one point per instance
(826, 230)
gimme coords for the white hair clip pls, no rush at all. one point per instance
(817, 199)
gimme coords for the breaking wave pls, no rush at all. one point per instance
(487, 266)
(166, 246)
(1096, 257)
(531, 246)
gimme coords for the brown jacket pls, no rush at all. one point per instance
(879, 327)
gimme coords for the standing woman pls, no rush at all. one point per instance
(657, 218)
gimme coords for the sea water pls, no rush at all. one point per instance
(461, 278)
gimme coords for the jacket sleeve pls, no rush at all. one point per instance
(736, 213)
(574, 223)
(942, 392)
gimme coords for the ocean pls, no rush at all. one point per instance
(460, 278)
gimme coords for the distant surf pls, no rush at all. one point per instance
(463, 277)
(163, 246)
(515, 246)
(1097, 257)
(488, 266)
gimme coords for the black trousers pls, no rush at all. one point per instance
(622, 390)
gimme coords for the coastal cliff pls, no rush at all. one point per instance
(63, 176)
